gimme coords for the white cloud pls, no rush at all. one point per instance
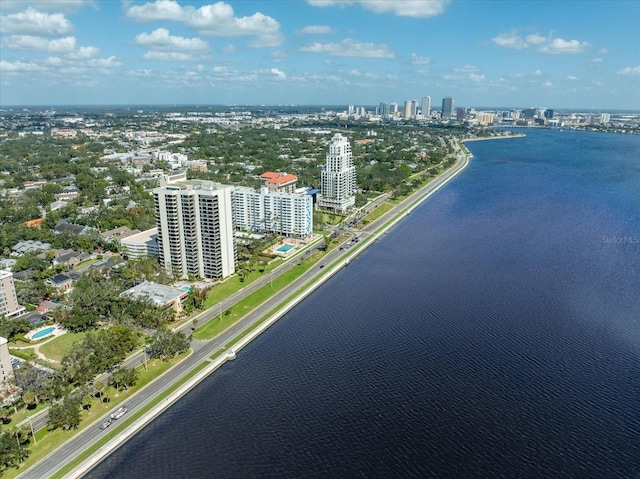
(66, 46)
(19, 66)
(280, 75)
(30, 42)
(217, 20)
(510, 40)
(535, 39)
(475, 77)
(110, 62)
(543, 44)
(419, 60)
(47, 5)
(537, 73)
(83, 53)
(160, 39)
(547, 84)
(33, 22)
(596, 60)
(603, 51)
(350, 48)
(572, 78)
(466, 69)
(629, 72)
(316, 30)
(278, 56)
(230, 50)
(560, 46)
(355, 73)
(403, 8)
(166, 56)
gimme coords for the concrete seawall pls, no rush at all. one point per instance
(130, 431)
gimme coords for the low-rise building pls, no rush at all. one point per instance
(159, 294)
(141, 244)
(29, 246)
(61, 282)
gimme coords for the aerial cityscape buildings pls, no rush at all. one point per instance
(338, 177)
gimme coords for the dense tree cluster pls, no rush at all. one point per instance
(99, 351)
(167, 344)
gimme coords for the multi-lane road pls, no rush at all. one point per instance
(202, 350)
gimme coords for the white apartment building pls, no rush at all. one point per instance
(139, 245)
(9, 306)
(6, 369)
(195, 227)
(265, 211)
(338, 178)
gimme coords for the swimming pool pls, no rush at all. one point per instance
(43, 332)
(284, 248)
(186, 287)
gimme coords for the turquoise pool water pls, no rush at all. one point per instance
(284, 248)
(185, 288)
(44, 332)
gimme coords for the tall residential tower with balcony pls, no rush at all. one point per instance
(9, 306)
(195, 227)
(338, 178)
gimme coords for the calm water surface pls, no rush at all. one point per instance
(495, 333)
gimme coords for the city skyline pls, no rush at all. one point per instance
(361, 52)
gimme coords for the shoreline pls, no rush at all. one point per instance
(501, 137)
(400, 211)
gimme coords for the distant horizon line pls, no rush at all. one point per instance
(278, 105)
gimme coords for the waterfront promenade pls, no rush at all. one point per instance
(202, 351)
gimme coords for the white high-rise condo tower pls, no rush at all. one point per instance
(338, 177)
(9, 306)
(195, 227)
(426, 106)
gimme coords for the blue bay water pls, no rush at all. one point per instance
(495, 332)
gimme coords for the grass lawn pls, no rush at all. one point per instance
(87, 263)
(57, 347)
(331, 219)
(25, 413)
(229, 317)
(377, 213)
(24, 353)
(223, 290)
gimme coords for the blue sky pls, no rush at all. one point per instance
(555, 54)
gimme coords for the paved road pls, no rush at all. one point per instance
(201, 350)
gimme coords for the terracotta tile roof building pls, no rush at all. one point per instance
(281, 182)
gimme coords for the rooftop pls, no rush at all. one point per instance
(159, 294)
